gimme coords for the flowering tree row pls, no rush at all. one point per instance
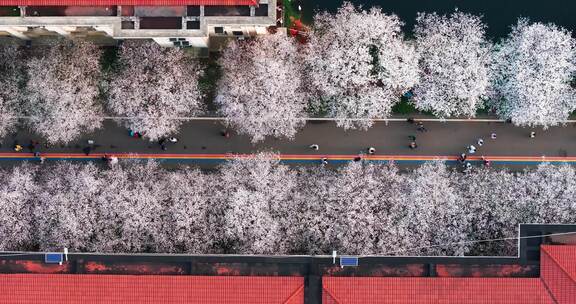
(60, 88)
(357, 64)
(257, 205)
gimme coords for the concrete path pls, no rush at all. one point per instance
(201, 141)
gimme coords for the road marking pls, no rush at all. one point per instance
(289, 157)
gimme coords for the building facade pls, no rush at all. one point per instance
(182, 23)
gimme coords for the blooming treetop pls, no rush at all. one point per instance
(63, 90)
(18, 190)
(256, 205)
(454, 64)
(252, 189)
(359, 64)
(10, 94)
(533, 69)
(154, 84)
(261, 93)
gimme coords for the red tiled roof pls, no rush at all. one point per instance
(126, 289)
(125, 2)
(558, 271)
(366, 290)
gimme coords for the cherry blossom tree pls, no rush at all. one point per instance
(430, 213)
(18, 189)
(251, 189)
(256, 205)
(359, 65)
(67, 215)
(261, 92)
(133, 210)
(533, 70)
(154, 87)
(454, 64)
(190, 224)
(62, 91)
(490, 197)
(11, 75)
(308, 215)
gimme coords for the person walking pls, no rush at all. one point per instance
(480, 142)
(324, 161)
(225, 133)
(471, 149)
(314, 147)
(371, 150)
(162, 143)
(486, 161)
(413, 145)
(421, 127)
(462, 158)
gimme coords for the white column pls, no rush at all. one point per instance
(60, 30)
(16, 31)
(106, 29)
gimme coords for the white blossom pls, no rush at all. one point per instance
(454, 64)
(62, 91)
(251, 188)
(533, 69)
(261, 92)
(11, 75)
(430, 213)
(18, 189)
(154, 85)
(359, 64)
(135, 205)
(190, 225)
(66, 209)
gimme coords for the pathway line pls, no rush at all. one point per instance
(289, 157)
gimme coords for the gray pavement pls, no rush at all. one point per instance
(441, 139)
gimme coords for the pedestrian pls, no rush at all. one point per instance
(468, 166)
(36, 154)
(324, 161)
(32, 146)
(412, 137)
(410, 120)
(462, 158)
(493, 135)
(162, 143)
(225, 133)
(413, 145)
(131, 133)
(532, 134)
(173, 140)
(486, 161)
(314, 147)
(421, 127)
(480, 142)
(371, 150)
(471, 149)
(18, 148)
(87, 150)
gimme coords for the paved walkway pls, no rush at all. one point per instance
(201, 141)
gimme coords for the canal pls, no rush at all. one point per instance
(499, 15)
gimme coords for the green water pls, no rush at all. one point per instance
(499, 15)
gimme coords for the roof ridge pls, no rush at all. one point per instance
(560, 265)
